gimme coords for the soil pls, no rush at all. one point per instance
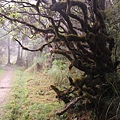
(5, 86)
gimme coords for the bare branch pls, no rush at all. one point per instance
(32, 50)
(69, 106)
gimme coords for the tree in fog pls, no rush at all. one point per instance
(77, 30)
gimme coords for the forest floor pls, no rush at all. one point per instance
(5, 86)
(26, 95)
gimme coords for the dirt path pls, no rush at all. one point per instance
(5, 86)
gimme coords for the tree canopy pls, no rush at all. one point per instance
(75, 29)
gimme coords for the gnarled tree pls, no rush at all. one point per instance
(77, 30)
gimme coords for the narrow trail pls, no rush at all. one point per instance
(5, 87)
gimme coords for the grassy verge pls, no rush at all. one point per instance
(32, 98)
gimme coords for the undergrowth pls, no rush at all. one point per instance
(32, 98)
(59, 72)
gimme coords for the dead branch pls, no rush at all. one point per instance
(69, 105)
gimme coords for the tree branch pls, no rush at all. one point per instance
(32, 50)
(64, 53)
(49, 30)
(69, 106)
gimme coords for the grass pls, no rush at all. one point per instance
(32, 98)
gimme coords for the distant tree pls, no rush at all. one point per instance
(77, 30)
(19, 57)
(4, 46)
(9, 52)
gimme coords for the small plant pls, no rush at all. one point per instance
(58, 72)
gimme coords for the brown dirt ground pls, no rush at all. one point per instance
(5, 86)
